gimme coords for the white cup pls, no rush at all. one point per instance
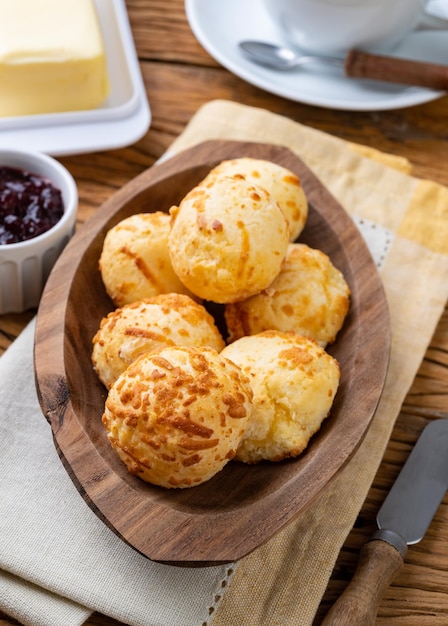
(336, 26)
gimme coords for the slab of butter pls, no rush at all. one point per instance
(52, 57)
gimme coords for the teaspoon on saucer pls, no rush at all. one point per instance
(356, 64)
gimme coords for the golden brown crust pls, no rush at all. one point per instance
(309, 296)
(228, 239)
(152, 323)
(135, 263)
(176, 416)
(294, 382)
(282, 184)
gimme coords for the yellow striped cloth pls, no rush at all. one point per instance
(283, 581)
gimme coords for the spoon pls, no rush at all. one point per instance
(357, 64)
(279, 57)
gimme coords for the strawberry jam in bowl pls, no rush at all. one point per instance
(38, 203)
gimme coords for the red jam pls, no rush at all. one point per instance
(29, 205)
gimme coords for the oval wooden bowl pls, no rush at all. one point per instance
(243, 506)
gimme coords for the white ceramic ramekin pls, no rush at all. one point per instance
(25, 266)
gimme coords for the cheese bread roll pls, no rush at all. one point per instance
(283, 185)
(135, 263)
(175, 417)
(150, 324)
(294, 382)
(309, 296)
(228, 239)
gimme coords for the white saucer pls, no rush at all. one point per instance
(220, 24)
(123, 118)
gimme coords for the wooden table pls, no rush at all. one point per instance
(179, 77)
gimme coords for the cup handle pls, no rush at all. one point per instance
(431, 21)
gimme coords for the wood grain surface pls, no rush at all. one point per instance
(179, 77)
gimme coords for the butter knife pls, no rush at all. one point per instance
(402, 520)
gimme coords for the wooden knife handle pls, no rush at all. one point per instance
(378, 564)
(360, 64)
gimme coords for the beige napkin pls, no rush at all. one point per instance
(59, 562)
(406, 222)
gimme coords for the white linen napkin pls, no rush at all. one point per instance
(59, 561)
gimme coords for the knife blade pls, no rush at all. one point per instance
(402, 520)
